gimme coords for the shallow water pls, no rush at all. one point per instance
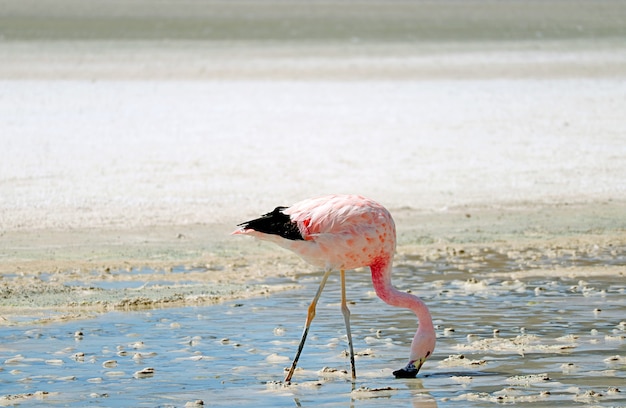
(532, 339)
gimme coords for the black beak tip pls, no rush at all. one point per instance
(406, 372)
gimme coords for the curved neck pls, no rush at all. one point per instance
(381, 279)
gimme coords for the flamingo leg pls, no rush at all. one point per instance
(346, 318)
(309, 319)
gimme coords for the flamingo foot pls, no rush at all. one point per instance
(410, 371)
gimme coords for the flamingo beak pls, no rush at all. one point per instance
(410, 370)
(418, 364)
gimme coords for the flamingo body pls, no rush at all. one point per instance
(332, 232)
(346, 232)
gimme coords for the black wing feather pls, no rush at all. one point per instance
(276, 223)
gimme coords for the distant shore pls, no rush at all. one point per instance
(296, 40)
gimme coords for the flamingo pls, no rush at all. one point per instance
(345, 232)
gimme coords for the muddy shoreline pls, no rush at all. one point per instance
(60, 275)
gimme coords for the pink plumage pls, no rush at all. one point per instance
(340, 232)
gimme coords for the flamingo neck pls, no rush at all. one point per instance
(381, 279)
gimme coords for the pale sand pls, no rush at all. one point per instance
(122, 150)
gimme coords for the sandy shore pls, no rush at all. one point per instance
(130, 146)
(63, 274)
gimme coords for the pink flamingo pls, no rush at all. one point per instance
(345, 232)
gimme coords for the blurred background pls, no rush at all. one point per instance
(140, 112)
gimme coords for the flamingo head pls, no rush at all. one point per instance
(422, 348)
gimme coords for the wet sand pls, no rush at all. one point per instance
(54, 274)
(134, 138)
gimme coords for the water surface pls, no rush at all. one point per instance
(522, 336)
